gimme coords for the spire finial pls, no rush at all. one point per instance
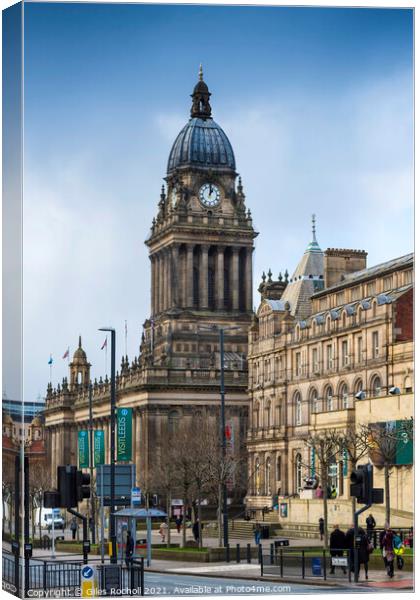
(80, 341)
(313, 227)
(200, 72)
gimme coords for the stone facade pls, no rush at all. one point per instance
(200, 248)
(305, 371)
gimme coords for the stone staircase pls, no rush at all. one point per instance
(239, 529)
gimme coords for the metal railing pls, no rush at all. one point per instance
(305, 564)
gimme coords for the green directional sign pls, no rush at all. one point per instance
(83, 448)
(124, 433)
(99, 447)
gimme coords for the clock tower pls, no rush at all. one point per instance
(200, 248)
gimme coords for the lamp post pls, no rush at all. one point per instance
(91, 455)
(221, 331)
(112, 535)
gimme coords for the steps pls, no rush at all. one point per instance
(239, 529)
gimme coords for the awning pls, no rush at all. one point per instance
(139, 513)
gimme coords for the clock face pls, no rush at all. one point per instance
(210, 194)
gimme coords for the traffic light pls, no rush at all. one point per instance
(67, 487)
(362, 484)
(52, 500)
(82, 486)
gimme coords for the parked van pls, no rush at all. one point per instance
(47, 516)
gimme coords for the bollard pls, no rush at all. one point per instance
(281, 562)
(260, 554)
(303, 564)
(271, 554)
(227, 553)
(324, 565)
(238, 553)
(248, 553)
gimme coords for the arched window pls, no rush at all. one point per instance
(328, 323)
(408, 385)
(344, 396)
(257, 476)
(376, 386)
(314, 401)
(173, 419)
(298, 408)
(374, 308)
(268, 476)
(279, 468)
(329, 398)
(298, 472)
(358, 386)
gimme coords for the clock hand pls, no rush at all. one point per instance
(210, 190)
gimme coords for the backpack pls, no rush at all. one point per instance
(397, 545)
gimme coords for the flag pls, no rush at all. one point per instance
(50, 361)
(105, 344)
(66, 353)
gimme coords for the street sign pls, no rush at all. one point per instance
(338, 561)
(88, 581)
(125, 476)
(98, 447)
(135, 496)
(124, 433)
(83, 449)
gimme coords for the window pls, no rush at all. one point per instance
(330, 360)
(360, 349)
(371, 288)
(408, 277)
(344, 396)
(298, 363)
(173, 417)
(375, 344)
(257, 476)
(387, 283)
(279, 468)
(329, 397)
(268, 477)
(344, 353)
(298, 409)
(339, 298)
(376, 386)
(315, 365)
(355, 293)
(314, 401)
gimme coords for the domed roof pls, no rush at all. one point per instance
(202, 142)
(80, 354)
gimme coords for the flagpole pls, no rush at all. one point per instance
(126, 338)
(106, 355)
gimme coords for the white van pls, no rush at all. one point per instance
(47, 516)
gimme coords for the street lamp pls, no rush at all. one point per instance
(221, 331)
(112, 507)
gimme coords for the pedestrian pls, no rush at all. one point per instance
(129, 549)
(163, 530)
(386, 542)
(73, 528)
(257, 533)
(178, 522)
(363, 549)
(321, 526)
(319, 492)
(370, 526)
(337, 546)
(196, 530)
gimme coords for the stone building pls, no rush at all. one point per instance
(200, 248)
(325, 354)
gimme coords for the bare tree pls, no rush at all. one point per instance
(164, 475)
(355, 442)
(326, 445)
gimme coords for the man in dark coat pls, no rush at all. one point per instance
(129, 549)
(370, 526)
(321, 527)
(337, 546)
(362, 550)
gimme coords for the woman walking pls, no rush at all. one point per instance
(386, 542)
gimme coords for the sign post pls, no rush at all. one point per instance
(88, 581)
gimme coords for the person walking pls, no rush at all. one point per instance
(386, 542)
(257, 533)
(337, 547)
(73, 528)
(363, 549)
(321, 526)
(178, 522)
(129, 549)
(370, 526)
(196, 530)
(163, 529)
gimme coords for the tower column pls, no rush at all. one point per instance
(189, 276)
(169, 282)
(165, 279)
(204, 276)
(234, 274)
(220, 277)
(153, 284)
(176, 276)
(248, 279)
(161, 282)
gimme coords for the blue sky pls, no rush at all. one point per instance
(317, 104)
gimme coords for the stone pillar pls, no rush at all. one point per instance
(169, 284)
(204, 277)
(189, 272)
(157, 280)
(220, 278)
(234, 278)
(161, 281)
(176, 277)
(165, 280)
(153, 283)
(248, 279)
